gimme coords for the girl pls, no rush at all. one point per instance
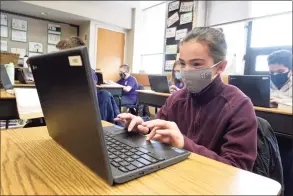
(206, 117)
(176, 82)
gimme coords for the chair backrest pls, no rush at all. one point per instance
(268, 161)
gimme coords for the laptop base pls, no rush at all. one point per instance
(141, 157)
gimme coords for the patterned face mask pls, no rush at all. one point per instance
(196, 80)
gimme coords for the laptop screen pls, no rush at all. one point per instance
(5, 81)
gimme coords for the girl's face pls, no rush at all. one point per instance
(195, 55)
(177, 69)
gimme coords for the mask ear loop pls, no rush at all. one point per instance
(213, 67)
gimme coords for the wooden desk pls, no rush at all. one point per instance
(280, 119)
(8, 108)
(20, 85)
(115, 90)
(32, 163)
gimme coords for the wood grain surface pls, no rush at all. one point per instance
(154, 93)
(6, 95)
(275, 110)
(32, 163)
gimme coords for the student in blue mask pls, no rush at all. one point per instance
(176, 83)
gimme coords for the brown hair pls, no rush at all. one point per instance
(214, 38)
(126, 66)
(70, 42)
(174, 80)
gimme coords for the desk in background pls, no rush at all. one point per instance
(280, 119)
(32, 163)
(8, 108)
(8, 105)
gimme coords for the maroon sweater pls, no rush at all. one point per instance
(219, 123)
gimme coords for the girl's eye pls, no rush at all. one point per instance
(196, 64)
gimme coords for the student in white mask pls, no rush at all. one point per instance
(206, 117)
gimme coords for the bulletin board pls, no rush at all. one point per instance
(180, 15)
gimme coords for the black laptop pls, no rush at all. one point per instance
(4, 79)
(72, 115)
(159, 83)
(25, 76)
(256, 87)
(100, 78)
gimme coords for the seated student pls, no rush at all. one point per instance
(280, 65)
(176, 82)
(130, 86)
(207, 117)
(107, 105)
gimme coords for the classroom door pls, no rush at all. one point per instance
(110, 53)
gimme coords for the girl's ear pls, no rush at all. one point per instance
(221, 67)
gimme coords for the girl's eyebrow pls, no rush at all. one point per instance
(196, 59)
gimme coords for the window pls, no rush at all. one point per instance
(153, 37)
(267, 35)
(272, 31)
(261, 63)
(235, 35)
(264, 8)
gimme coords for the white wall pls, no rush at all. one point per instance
(219, 12)
(226, 11)
(103, 11)
(84, 32)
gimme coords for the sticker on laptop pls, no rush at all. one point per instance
(177, 150)
(75, 61)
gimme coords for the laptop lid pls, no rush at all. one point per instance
(159, 83)
(100, 78)
(256, 87)
(67, 96)
(5, 81)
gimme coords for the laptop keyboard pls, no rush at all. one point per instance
(127, 158)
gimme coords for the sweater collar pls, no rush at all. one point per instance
(210, 92)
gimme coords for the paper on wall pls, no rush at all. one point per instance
(18, 36)
(169, 64)
(170, 32)
(4, 45)
(186, 18)
(53, 39)
(4, 20)
(172, 19)
(54, 29)
(35, 47)
(20, 51)
(4, 31)
(180, 34)
(19, 24)
(171, 49)
(186, 6)
(28, 103)
(174, 6)
(52, 48)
